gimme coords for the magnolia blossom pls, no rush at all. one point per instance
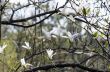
(23, 63)
(2, 48)
(72, 36)
(50, 53)
(26, 45)
(58, 31)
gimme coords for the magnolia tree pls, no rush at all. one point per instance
(55, 35)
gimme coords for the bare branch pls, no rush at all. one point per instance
(73, 65)
(28, 25)
(31, 17)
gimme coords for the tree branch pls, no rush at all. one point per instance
(24, 26)
(28, 18)
(73, 65)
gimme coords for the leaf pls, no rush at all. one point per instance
(106, 44)
(95, 34)
(102, 35)
(84, 11)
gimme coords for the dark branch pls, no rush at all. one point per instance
(73, 65)
(28, 25)
(25, 19)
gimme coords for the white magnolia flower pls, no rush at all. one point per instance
(58, 31)
(26, 45)
(23, 63)
(50, 53)
(2, 48)
(72, 36)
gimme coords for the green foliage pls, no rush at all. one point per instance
(85, 11)
(106, 44)
(9, 56)
(95, 34)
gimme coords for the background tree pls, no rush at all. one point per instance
(47, 36)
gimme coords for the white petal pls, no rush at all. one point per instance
(23, 61)
(24, 46)
(27, 44)
(54, 36)
(76, 35)
(64, 37)
(28, 64)
(69, 34)
(50, 53)
(29, 48)
(4, 46)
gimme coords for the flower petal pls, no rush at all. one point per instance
(23, 61)
(27, 44)
(4, 46)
